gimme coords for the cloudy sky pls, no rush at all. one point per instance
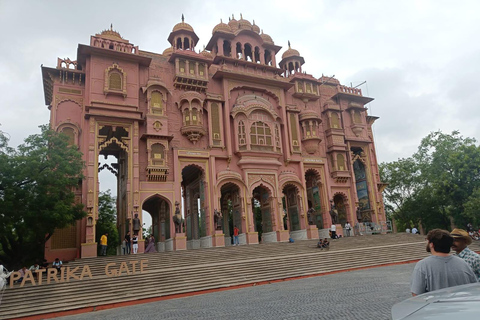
(421, 59)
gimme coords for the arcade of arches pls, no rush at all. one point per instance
(235, 135)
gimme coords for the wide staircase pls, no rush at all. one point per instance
(187, 272)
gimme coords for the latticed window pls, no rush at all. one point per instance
(357, 117)
(340, 162)
(115, 81)
(64, 238)
(158, 154)
(194, 116)
(277, 138)
(187, 116)
(260, 134)
(335, 121)
(192, 68)
(182, 66)
(156, 102)
(201, 69)
(70, 133)
(242, 138)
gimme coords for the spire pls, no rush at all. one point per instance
(111, 26)
(289, 44)
(221, 21)
(241, 17)
(183, 18)
(253, 22)
(233, 17)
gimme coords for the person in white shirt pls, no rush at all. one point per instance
(348, 227)
(333, 230)
(414, 230)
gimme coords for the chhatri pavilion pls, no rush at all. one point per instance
(234, 135)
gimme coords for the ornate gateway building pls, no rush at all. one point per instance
(229, 136)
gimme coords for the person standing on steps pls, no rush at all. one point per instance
(348, 227)
(235, 236)
(135, 244)
(440, 270)
(103, 244)
(128, 242)
(333, 230)
(461, 241)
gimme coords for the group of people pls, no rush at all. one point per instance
(323, 244)
(130, 244)
(333, 231)
(57, 264)
(442, 270)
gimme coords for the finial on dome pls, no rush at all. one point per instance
(289, 44)
(111, 26)
(229, 19)
(241, 17)
(183, 18)
(253, 22)
(221, 21)
(203, 47)
(233, 17)
(262, 31)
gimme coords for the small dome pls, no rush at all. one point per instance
(266, 38)
(206, 54)
(182, 26)
(290, 52)
(233, 24)
(222, 27)
(168, 51)
(307, 114)
(255, 28)
(244, 24)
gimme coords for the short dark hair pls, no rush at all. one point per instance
(441, 239)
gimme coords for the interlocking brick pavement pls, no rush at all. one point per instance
(362, 294)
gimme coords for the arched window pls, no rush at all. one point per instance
(268, 57)
(187, 43)
(158, 154)
(179, 43)
(227, 48)
(115, 81)
(156, 102)
(186, 115)
(260, 134)
(194, 116)
(70, 133)
(340, 162)
(248, 52)
(335, 121)
(239, 50)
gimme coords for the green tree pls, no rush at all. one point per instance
(37, 183)
(107, 221)
(438, 186)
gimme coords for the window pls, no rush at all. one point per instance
(260, 134)
(115, 81)
(158, 154)
(340, 162)
(335, 121)
(156, 102)
(357, 117)
(242, 139)
(70, 133)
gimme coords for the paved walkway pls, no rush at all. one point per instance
(364, 294)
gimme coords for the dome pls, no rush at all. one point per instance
(233, 24)
(111, 34)
(168, 51)
(306, 114)
(266, 38)
(206, 54)
(182, 26)
(255, 28)
(222, 27)
(244, 24)
(290, 52)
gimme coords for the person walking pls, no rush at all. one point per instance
(461, 241)
(135, 244)
(103, 244)
(128, 242)
(235, 236)
(440, 270)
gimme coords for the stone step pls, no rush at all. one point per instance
(197, 277)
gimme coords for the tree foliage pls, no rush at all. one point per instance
(438, 186)
(107, 217)
(37, 183)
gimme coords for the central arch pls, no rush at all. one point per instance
(262, 211)
(160, 210)
(193, 194)
(231, 208)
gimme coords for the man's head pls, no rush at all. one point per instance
(56, 259)
(106, 233)
(439, 240)
(461, 239)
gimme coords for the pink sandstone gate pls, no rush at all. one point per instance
(228, 128)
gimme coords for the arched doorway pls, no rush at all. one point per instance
(262, 211)
(160, 211)
(231, 208)
(340, 205)
(291, 206)
(312, 180)
(193, 194)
